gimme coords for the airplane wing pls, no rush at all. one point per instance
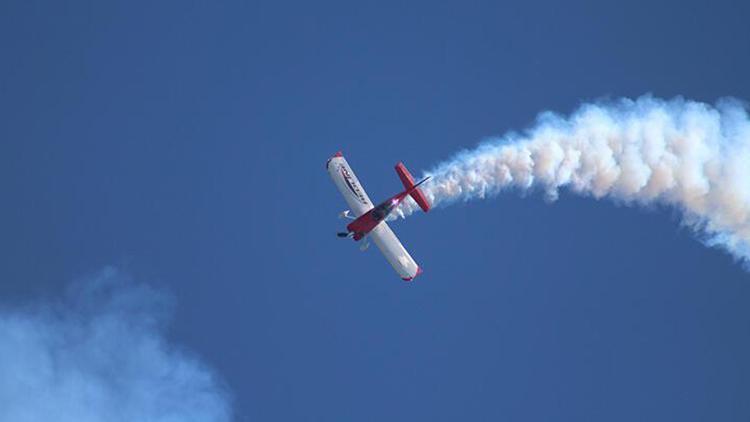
(360, 203)
(395, 252)
(348, 185)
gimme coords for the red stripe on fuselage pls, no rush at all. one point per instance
(368, 221)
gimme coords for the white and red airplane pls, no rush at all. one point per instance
(369, 219)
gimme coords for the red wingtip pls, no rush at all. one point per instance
(338, 154)
(419, 271)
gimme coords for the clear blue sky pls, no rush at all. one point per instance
(185, 142)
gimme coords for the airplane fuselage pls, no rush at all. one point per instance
(369, 220)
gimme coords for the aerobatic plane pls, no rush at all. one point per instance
(369, 220)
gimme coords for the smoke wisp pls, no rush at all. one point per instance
(101, 355)
(687, 155)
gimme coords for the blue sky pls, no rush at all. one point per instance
(184, 143)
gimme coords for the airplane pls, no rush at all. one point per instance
(369, 220)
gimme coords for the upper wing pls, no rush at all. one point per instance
(395, 252)
(348, 185)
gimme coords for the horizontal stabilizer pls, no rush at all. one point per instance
(408, 181)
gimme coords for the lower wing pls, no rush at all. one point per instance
(394, 252)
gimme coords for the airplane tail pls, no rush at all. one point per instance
(410, 187)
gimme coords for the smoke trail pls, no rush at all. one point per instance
(688, 155)
(101, 356)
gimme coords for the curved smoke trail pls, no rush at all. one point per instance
(688, 155)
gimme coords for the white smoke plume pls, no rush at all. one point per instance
(101, 355)
(687, 155)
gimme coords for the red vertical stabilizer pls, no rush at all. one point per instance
(408, 182)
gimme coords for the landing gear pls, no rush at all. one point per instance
(345, 214)
(345, 234)
(365, 244)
